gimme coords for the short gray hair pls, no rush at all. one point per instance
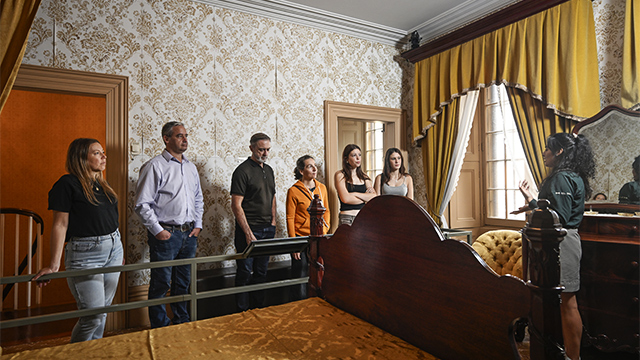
(167, 129)
(257, 137)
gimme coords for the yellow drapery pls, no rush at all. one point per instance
(437, 151)
(630, 92)
(551, 54)
(16, 17)
(535, 122)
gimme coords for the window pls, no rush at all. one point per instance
(505, 161)
(374, 151)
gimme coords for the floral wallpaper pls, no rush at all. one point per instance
(227, 74)
(609, 22)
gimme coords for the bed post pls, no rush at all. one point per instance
(316, 264)
(543, 233)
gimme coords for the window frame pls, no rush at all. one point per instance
(483, 117)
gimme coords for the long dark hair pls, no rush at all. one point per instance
(77, 164)
(346, 168)
(576, 156)
(636, 168)
(386, 170)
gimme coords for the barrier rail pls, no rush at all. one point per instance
(256, 248)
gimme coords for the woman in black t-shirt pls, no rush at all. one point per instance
(85, 216)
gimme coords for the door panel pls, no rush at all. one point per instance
(37, 128)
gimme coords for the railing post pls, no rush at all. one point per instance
(316, 264)
(193, 290)
(544, 233)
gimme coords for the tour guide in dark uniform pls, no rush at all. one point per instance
(566, 188)
(253, 204)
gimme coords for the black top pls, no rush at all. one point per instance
(630, 193)
(565, 192)
(257, 184)
(85, 219)
(362, 188)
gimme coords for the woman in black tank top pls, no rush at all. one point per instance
(354, 187)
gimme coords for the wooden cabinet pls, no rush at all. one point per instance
(610, 276)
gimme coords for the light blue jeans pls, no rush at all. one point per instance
(93, 291)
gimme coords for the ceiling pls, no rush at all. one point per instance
(385, 21)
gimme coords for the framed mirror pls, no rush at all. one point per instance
(614, 135)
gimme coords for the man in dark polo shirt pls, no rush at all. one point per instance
(253, 204)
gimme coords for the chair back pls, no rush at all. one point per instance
(502, 251)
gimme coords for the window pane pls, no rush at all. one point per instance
(370, 140)
(518, 173)
(379, 160)
(495, 146)
(492, 96)
(494, 118)
(496, 204)
(512, 179)
(515, 200)
(495, 171)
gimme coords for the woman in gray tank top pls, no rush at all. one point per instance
(394, 179)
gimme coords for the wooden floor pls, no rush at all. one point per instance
(39, 343)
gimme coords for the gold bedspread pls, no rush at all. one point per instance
(307, 329)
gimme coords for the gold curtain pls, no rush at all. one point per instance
(535, 122)
(16, 17)
(437, 151)
(630, 93)
(551, 54)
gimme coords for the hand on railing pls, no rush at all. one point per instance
(44, 271)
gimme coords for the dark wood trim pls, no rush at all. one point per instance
(602, 113)
(495, 21)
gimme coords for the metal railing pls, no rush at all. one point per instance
(32, 248)
(256, 248)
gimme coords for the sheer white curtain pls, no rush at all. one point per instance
(467, 110)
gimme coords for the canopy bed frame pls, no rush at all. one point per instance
(388, 286)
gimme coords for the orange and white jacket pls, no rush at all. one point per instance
(298, 201)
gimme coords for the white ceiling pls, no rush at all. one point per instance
(384, 21)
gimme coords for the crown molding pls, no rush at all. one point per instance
(288, 11)
(458, 17)
(315, 18)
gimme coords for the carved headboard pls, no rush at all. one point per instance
(614, 135)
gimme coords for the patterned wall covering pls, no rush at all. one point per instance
(227, 74)
(609, 21)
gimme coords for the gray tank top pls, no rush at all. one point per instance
(394, 190)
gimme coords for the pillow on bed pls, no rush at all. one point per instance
(501, 250)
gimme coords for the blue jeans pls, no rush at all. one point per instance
(93, 291)
(251, 270)
(175, 278)
(299, 268)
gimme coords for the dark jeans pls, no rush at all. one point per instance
(299, 268)
(174, 278)
(251, 270)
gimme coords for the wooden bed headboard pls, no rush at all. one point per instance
(393, 268)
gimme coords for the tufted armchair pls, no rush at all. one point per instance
(502, 251)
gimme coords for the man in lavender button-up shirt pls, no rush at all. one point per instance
(169, 202)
